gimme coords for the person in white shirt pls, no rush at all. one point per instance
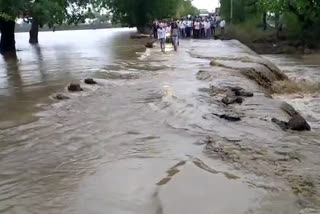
(197, 26)
(207, 27)
(188, 28)
(202, 29)
(182, 28)
(222, 26)
(162, 37)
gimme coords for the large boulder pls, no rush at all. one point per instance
(298, 123)
(288, 109)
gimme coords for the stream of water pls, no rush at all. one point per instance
(131, 144)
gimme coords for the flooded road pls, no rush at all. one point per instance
(144, 139)
(59, 58)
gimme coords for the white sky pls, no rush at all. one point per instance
(206, 4)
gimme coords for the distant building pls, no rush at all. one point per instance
(204, 12)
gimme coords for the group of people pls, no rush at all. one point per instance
(191, 27)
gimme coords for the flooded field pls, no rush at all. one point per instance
(146, 138)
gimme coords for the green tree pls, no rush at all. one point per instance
(306, 11)
(39, 12)
(56, 12)
(140, 13)
(9, 10)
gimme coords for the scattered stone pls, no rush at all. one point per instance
(61, 97)
(204, 75)
(244, 93)
(229, 117)
(215, 91)
(150, 44)
(90, 81)
(232, 99)
(238, 91)
(215, 63)
(298, 123)
(283, 125)
(74, 87)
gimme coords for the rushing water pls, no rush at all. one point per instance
(134, 142)
(106, 151)
(301, 68)
(59, 58)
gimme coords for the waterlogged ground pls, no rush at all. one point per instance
(146, 139)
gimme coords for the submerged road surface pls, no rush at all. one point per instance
(145, 139)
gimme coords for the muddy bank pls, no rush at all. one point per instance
(266, 42)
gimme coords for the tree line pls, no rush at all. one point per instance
(133, 13)
(300, 16)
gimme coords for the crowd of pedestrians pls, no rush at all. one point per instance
(193, 27)
(197, 27)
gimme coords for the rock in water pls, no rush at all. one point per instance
(238, 91)
(283, 125)
(230, 117)
(288, 109)
(232, 99)
(90, 81)
(74, 87)
(298, 123)
(204, 75)
(61, 97)
(150, 44)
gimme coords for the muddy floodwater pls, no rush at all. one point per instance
(146, 138)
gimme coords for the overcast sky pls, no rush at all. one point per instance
(206, 4)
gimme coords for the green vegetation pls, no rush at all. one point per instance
(135, 13)
(140, 13)
(39, 13)
(294, 19)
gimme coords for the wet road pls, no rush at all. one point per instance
(133, 143)
(60, 58)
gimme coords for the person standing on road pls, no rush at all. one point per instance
(213, 25)
(182, 28)
(197, 26)
(188, 28)
(222, 26)
(162, 37)
(155, 28)
(207, 29)
(175, 35)
(202, 28)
